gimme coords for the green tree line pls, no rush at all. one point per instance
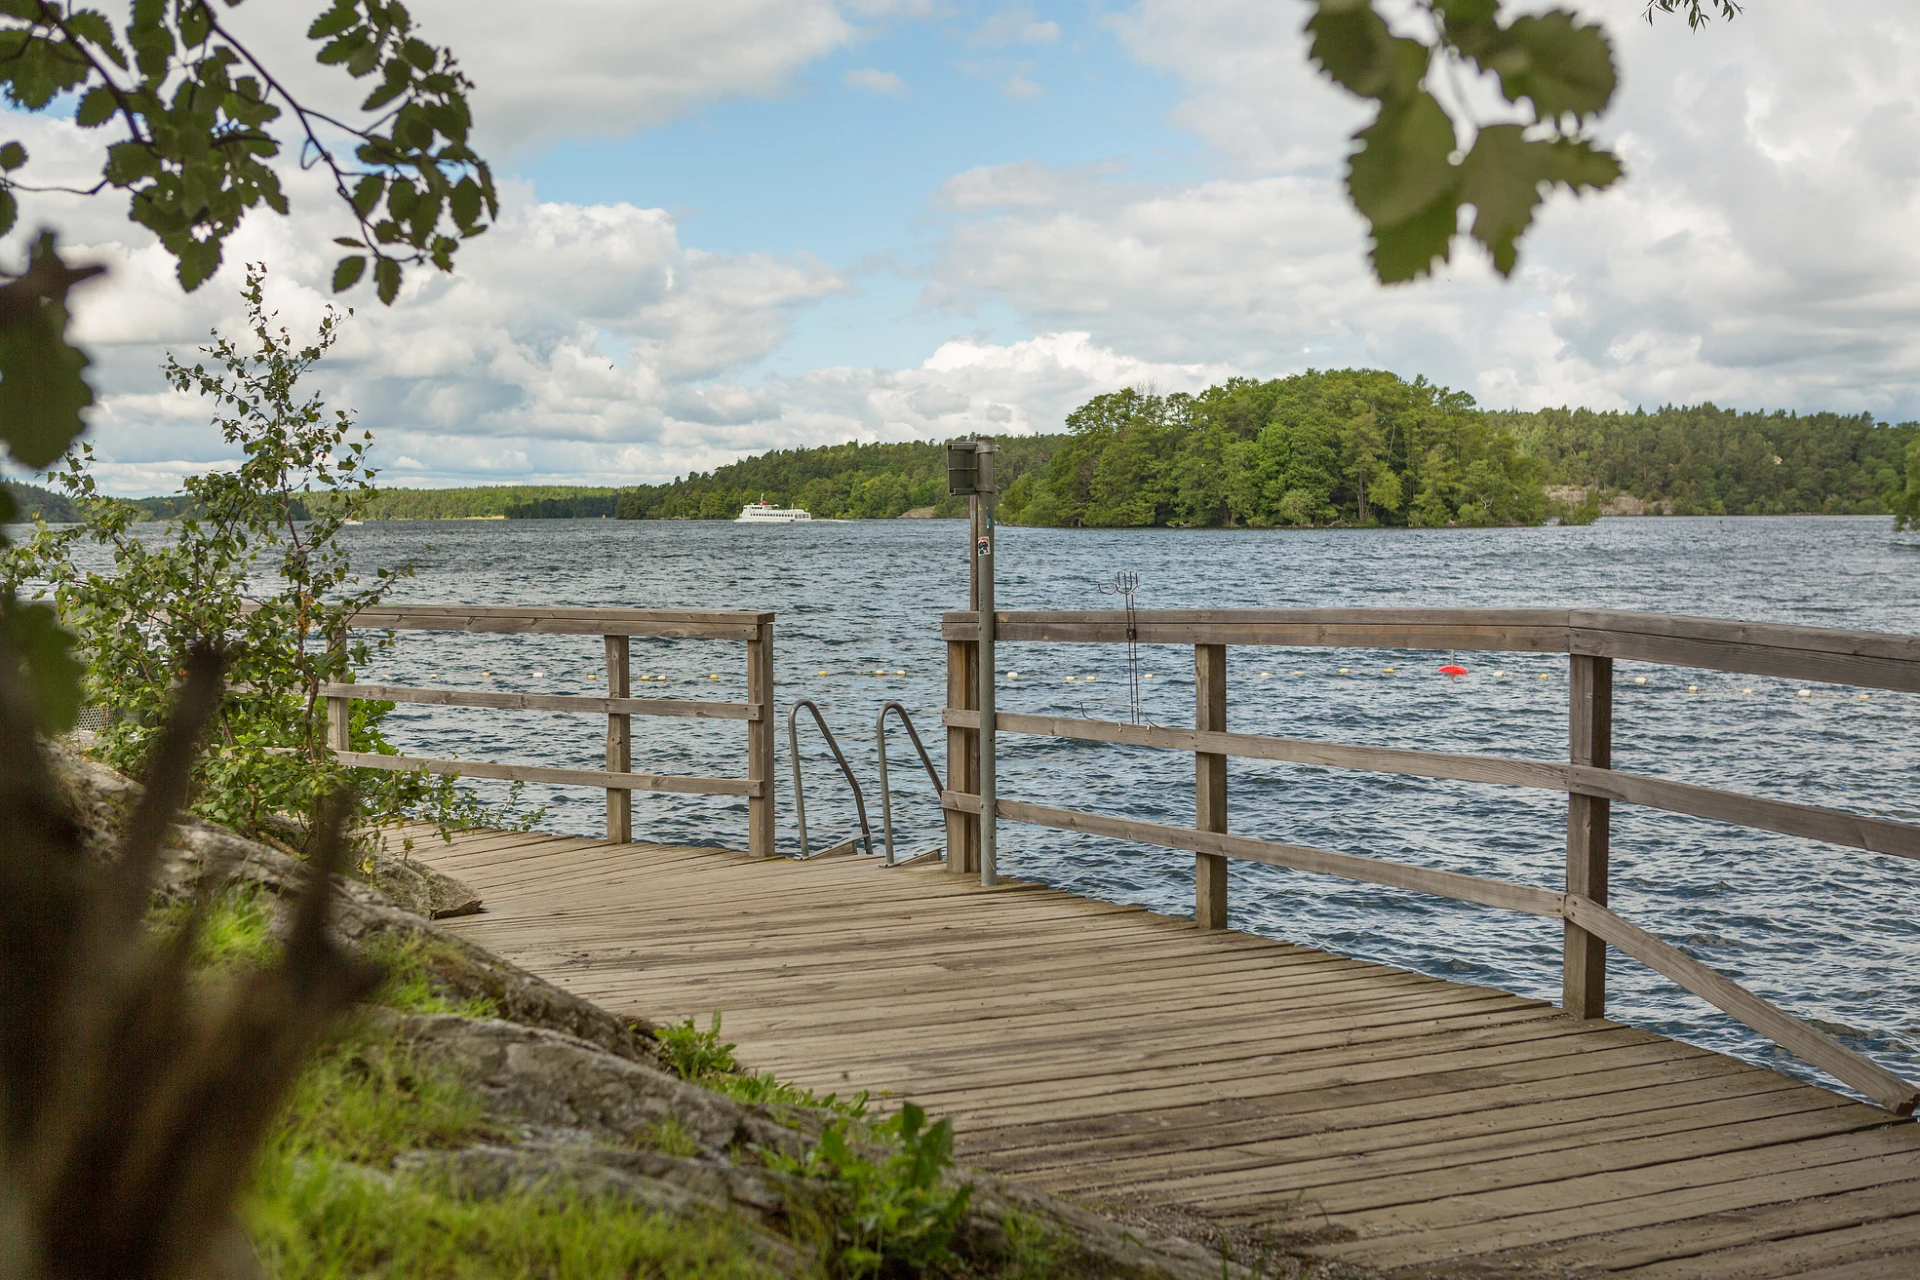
(837, 482)
(1705, 460)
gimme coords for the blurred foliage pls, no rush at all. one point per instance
(1427, 156)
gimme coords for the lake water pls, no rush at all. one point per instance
(1831, 934)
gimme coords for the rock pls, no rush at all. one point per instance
(559, 1088)
(489, 1172)
(203, 854)
(416, 887)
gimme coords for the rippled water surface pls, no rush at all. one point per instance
(1832, 934)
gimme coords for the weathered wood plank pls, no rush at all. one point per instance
(687, 624)
(1812, 822)
(1109, 1052)
(1210, 784)
(541, 773)
(1446, 884)
(584, 704)
(1785, 1030)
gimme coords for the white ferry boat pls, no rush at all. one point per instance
(760, 513)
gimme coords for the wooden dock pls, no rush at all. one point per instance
(1131, 1061)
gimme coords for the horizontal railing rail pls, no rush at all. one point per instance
(1591, 639)
(616, 627)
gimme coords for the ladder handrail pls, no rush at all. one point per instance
(799, 795)
(886, 796)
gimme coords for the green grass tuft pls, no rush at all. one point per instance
(324, 1220)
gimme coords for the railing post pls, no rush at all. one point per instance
(1210, 784)
(963, 757)
(1590, 742)
(339, 710)
(760, 833)
(619, 742)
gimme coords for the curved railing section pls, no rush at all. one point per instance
(799, 788)
(886, 792)
(1593, 640)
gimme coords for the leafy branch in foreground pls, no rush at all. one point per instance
(1412, 173)
(257, 567)
(195, 109)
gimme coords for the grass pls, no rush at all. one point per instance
(323, 1207)
(322, 1220)
(701, 1057)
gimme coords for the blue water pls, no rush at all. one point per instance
(1831, 934)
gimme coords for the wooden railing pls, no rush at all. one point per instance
(1591, 639)
(615, 626)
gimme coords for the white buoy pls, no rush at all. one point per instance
(1639, 679)
(1806, 693)
(1345, 672)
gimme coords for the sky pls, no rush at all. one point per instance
(755, 224)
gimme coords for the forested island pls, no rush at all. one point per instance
(1350, 447)
(1318, 449)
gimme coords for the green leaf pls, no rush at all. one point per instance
(9, 211)
(1404, 161)
(42, 390)
(344, 16)
(366, 193)
(1506, 175)
(129, 162)
(12, 156)
(386, 275)
(96, 107)
(1558, 64)
(44, 650)
(1407, 250)
(347, 273)
(464, 201)
(199, 259)
(1352, 45)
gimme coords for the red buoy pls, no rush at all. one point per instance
(1453, 670)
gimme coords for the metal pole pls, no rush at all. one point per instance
(983, 559)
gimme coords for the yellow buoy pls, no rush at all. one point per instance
(1088, 679)
(1389, 670)
(486, 675)
(899, 673)
(1266, 675)
(1746, 691)
(1346, 671)
(1693, 688)
(1545, 676)
(713, 677)
(1863, 697)
(823, 672)
(1069, 679)
(1147, 676)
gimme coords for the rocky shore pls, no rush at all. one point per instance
(577, 1105)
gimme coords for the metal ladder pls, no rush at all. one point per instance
(799, 790)
(886, 794)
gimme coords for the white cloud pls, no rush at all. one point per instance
(877, 81)
(1760, 253)
(584, 68)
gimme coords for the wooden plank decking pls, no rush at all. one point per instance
(1125, 1059)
